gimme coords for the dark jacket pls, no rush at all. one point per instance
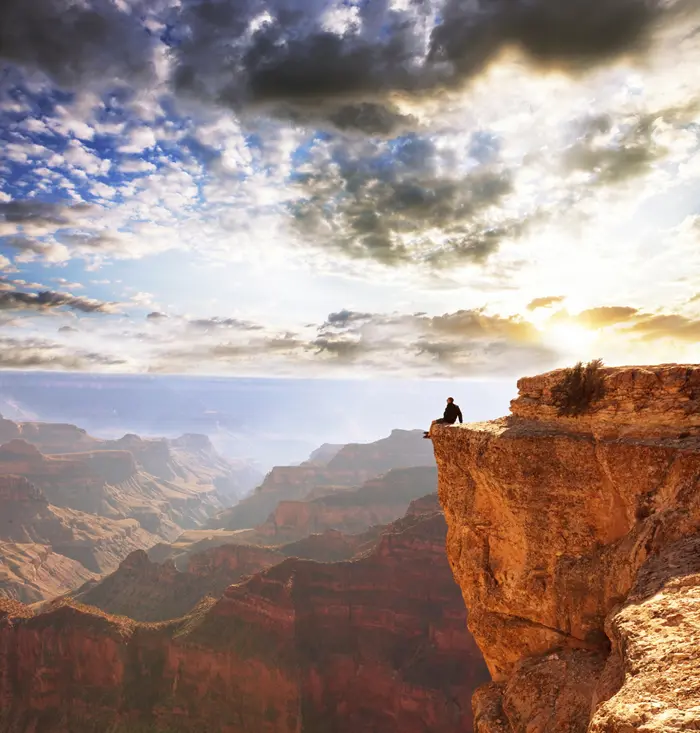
(452, 413)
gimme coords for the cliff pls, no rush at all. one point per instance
(376, 644)
(379, 501)
(349, 467)
(574, 542)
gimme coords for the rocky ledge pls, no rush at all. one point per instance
(575, 542)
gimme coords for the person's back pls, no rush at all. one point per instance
(450, 416)
(452, 413)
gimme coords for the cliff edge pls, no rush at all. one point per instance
(575, 542)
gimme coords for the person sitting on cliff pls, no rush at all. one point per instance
(451, 415)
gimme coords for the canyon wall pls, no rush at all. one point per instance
(379, 501)
(349, 467)
(574, 540)
(377, 644)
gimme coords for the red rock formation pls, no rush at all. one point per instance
(377, 644)
(562, 533)
(149, 591)
(353, 465)
(379, 501)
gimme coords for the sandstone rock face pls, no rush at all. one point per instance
(149, 591)
(376, 644)
(572, 536)
(379, 501)
(350, 467)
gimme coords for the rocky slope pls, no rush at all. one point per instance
(574, 540)
(189, 461)
(149, 591)
(30, 572)
(348, 467)
(111, 483)
(45, 544)
(375, 644)
(379, 501)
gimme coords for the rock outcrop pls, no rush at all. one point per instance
(349, 467)
(574, 540)
(376, 644)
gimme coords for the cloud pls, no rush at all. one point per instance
(345, 63)
(36, 218)
(616, 149)
(406, 204)
(345, 318)
(207, 324)
(663, 326)
(545, 302)
(48, 300)
(77, 43)
(35, 353)
(606, 316)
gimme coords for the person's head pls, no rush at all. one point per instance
(450, 400)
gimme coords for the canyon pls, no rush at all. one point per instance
(574, 541)
(378, 643)
(72, 506)
(329, 469)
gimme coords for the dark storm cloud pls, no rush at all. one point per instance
(368, 206)
(289, 61)
(544, 302)
(283, 56)
(47, 300)
(76, 42)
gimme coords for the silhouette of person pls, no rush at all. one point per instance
(450, 416)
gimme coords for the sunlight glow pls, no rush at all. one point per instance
(571, 339)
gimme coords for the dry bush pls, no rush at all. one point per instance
(580, 388)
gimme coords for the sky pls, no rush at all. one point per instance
(348, 188)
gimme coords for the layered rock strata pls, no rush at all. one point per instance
(349, 467)
(573, 540)
(376, 644)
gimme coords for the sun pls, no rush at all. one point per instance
(571, 339)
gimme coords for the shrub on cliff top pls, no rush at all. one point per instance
(580, 387)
